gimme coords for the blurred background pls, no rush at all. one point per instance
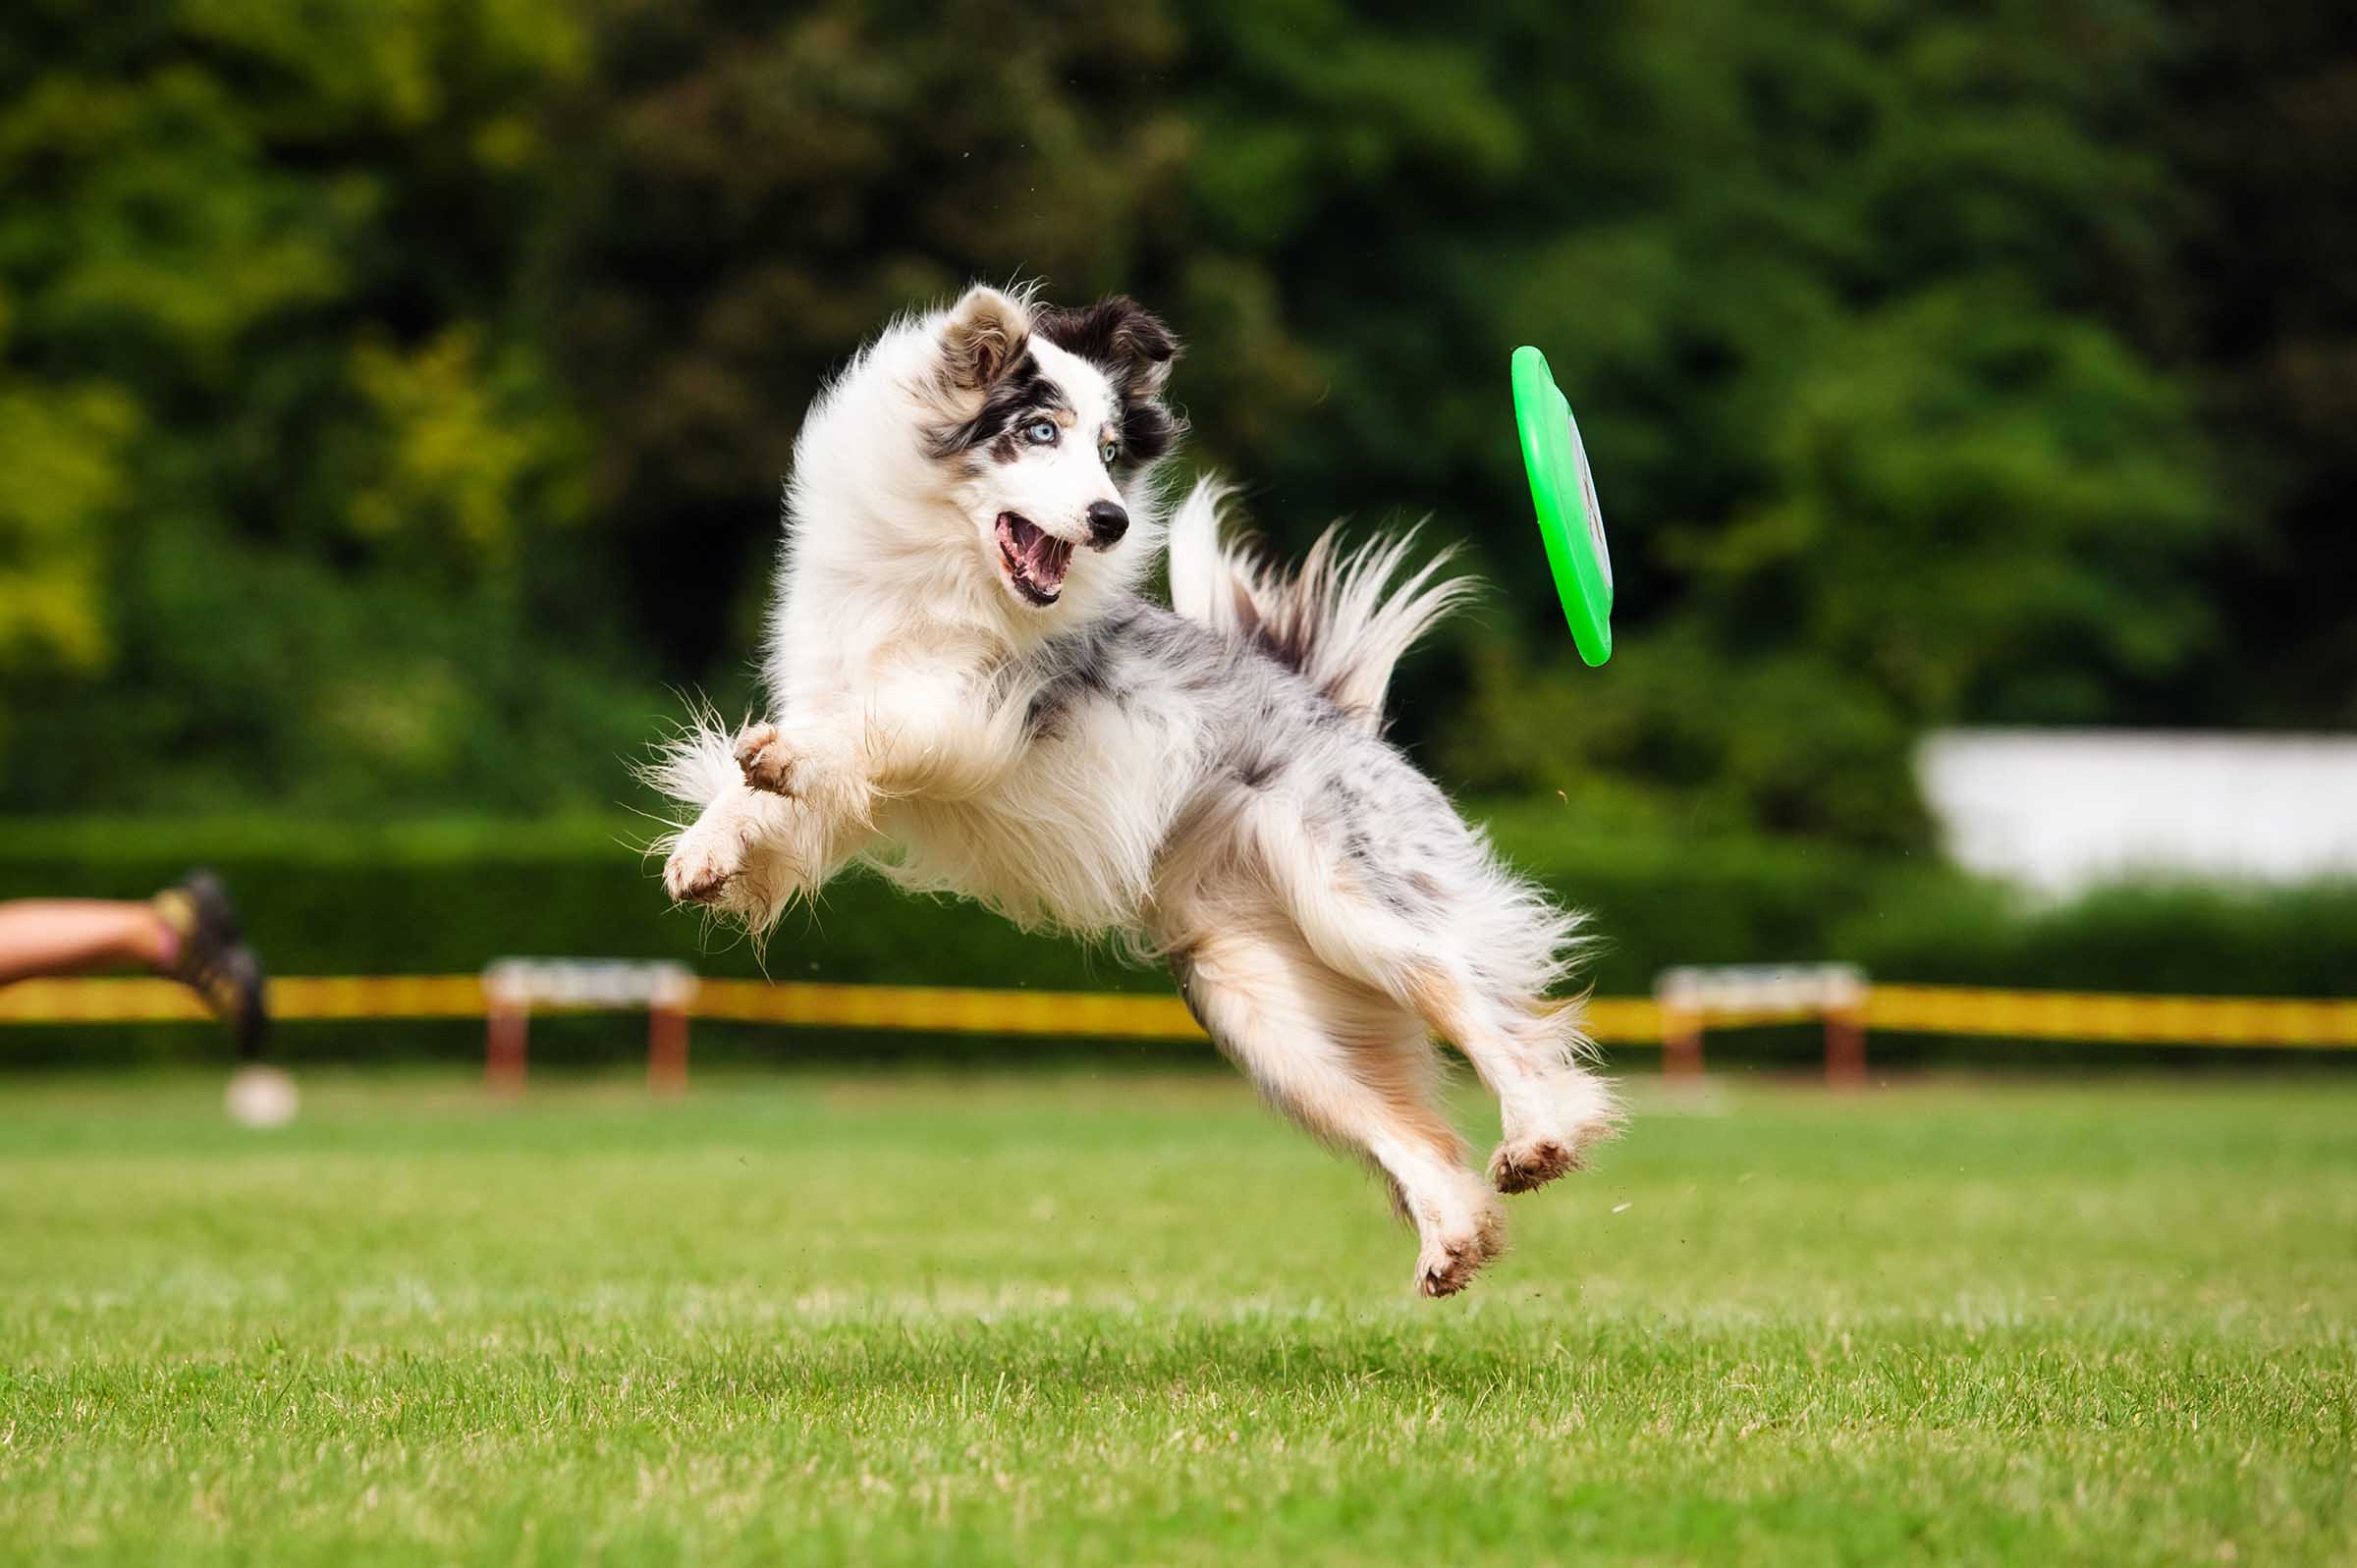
(394, 400)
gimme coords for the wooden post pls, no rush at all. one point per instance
(667, 1048)
(1845, 1048)
(509, 1023)
(1682, 1045)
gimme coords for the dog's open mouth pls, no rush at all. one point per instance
(1035, 561)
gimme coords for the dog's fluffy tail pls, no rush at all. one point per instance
(1344, 620)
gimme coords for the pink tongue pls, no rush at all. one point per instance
(1045, 562)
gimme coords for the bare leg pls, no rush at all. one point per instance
(1335, 1056)
(67, 936)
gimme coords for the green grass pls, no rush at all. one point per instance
(1132, 1319)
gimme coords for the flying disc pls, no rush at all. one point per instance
(1571, 523)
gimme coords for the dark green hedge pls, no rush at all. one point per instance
(421, 897)
(432, 898)
(418, 897)
(1659, 901)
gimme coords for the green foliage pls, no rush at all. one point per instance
(63, 451)
(2260, 141)
(1660, 898)
(1821, 277)
(1896, 474)
(435, 896)
(2180, 939)
(292, 469)
(395, 397)
(463, 443)
(751, 200)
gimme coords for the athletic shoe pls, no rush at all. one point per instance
(214, 959)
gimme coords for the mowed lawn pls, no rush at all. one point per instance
(1132, 1319)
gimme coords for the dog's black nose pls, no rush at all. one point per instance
(1106, 522)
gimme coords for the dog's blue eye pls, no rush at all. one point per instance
(1042, 432)
(1107, 452)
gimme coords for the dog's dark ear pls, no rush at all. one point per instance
(1119, 335)
(985, 336)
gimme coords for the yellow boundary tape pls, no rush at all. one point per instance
(2320, 1024)
(949, 1011)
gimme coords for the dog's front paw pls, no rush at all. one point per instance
(767, 762)
(699, 870)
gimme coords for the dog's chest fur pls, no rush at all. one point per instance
(1112, 736)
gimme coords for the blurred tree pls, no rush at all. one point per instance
(62, 454)
(2257, 121)
(1822, 277)
(284, 450)
(399, 392)
(756, 193)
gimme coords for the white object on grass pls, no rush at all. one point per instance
(261, 1097)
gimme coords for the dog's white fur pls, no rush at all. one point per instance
(1207, 786)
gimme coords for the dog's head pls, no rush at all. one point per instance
(1046, 423)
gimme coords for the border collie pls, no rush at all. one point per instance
(969, 695)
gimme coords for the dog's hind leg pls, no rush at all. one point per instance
(1354, 1069)
(1471, 951)
(1551, 1109)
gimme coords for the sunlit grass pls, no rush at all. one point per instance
(1132, 1319)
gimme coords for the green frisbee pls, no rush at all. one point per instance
(1570, 521)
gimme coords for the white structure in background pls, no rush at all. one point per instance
(513, 987)
(2062, 809)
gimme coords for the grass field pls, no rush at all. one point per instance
(1131, 1318)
